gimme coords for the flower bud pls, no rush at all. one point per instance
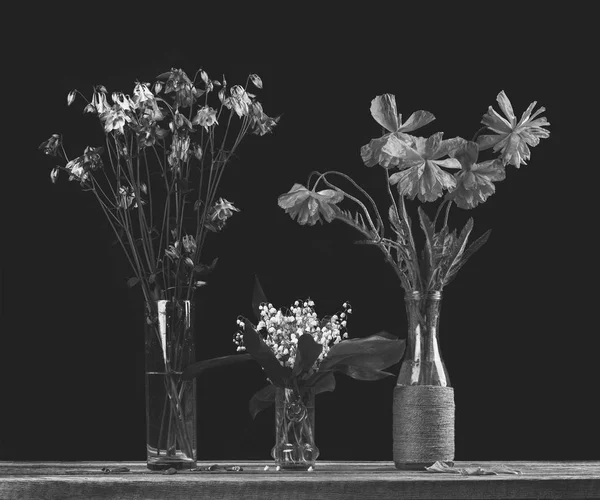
(54, 175)
(255, 79)
(71, 97)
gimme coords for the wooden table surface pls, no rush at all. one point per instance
(335, 480)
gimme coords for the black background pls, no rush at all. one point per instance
(517, 333)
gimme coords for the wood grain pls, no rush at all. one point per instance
(329, 480)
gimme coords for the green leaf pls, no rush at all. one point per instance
(258, 297)
(376, 352)
(262, 399)
(256, 347)
(428, 229)
(458, 251)
(324, 383)
(203, 269)
(196, 369)
(476, 245)
(131, 282)
(307, 353)
(364, 373)
(356, 222)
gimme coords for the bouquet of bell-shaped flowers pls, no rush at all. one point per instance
(299, 353)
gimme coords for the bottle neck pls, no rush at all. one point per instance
(422, 363)
(423, 313)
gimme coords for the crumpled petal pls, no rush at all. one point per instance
(506, 107)
(427, 181)
(447, 146)
(417, 120)
(448, 468)
(475, 183)
(389, 151)
(447, 163)
(495, 122)
(466, 153)
(384, 111)
(308, 206)
(297, 194)
(329, 195)
(432, 144)
(487, 141)
(513, 139)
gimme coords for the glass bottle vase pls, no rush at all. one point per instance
(294, 429)
(423, 406)
(170, 400)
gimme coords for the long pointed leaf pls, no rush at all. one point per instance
(307, 353)
(196, 369)
(459, 249)
(361, 373)
(324, 384)
(428, 229)
(256, 347)
(476, 245)
(262, 399)
(375, 352)
(258, 297)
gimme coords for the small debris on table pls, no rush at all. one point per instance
(235, 468)
(107, 470)
(448, 467)
(206, 468)
(170, 471)
(213, 467)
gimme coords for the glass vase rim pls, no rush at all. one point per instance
(171, 300)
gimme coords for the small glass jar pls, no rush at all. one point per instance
(294, 429)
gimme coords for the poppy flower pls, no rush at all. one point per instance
(475, 181)
(381, 151)
(420, 166)
(309, 206)
(513, 138)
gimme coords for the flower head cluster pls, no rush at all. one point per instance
(512, 138)
(220, 212)
(51, 145)
(260, 122)
(308, 206)
(187, 138)
(80, 167)
(281, 330)
(475, 181)
(184, 249)
(127, 198)
(239, 100)
(177, 81)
